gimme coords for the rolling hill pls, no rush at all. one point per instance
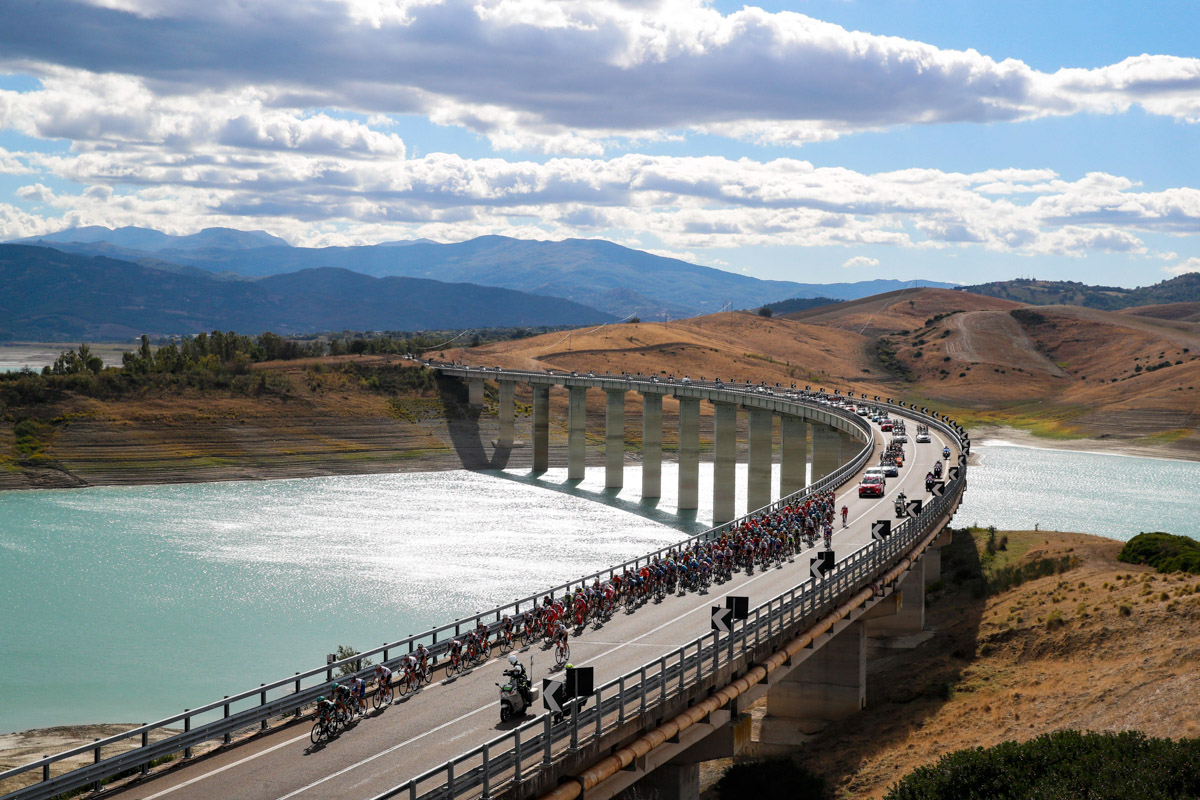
(1182, 289)
(593, 272)
(46, 294)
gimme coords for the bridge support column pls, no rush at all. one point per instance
(614, 439)
(651, 445)
(475, 392)
(933, 557)
(689, 453)
(909, 619)
(507, 413)
(724, 461)
(848, 447)
(541, 428)
(671, 782)
(826, 451)
(830, 685)
(758, 492)
(793, 432)
(577, 433)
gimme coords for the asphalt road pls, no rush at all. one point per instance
(447, 718)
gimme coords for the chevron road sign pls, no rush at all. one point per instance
(952, 474)
(821, 563)
(938, 489)
(912, 508)
(881, 529)
(721, 619)
(552, 695)
(962, 460)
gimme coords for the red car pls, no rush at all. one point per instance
(886, 425)
(871, 486)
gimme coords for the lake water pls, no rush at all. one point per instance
(151, 599)
(154, 598)
(1015, 488)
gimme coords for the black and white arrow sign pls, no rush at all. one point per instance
(912, 508)
(721, 618)
(820, 564)
(551, 693)
(962, 460)
(881, 529)
(952, 474)
(937, 489)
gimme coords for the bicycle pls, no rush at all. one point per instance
(409, 683)
(505, 641)
(562, 653)
(324, 729)
(455, 665)
(383, 695)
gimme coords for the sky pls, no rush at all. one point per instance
(806, 140)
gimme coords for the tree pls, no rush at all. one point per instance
(765, 311)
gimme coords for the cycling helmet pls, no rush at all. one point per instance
(336, 686)
(512, 659)
(321, 699)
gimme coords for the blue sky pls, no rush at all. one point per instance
(823, 140)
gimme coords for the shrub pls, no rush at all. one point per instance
(770, 779)
(1164, 551)
(1065, 765)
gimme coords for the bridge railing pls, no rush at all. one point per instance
(254, 708)
(536, 745)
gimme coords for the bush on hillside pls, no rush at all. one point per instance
(770, 779)
(1066, 765)
(1166, 552)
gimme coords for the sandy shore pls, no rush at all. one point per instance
(999, 434)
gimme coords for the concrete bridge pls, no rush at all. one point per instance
(671, 692)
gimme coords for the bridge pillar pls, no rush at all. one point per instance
(793, 432)
(671, 782)
(909, 619)
(651, 444)
(507, 413)
(614, 439)
(541, 428)
(475, 392)
(826, 451)
(577, 433)
(759, 482)
(689, 453)
(724, 461)
(848, 447)
(830, 685)
(933, 557)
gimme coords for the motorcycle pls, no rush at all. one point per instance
(516, 695)
(900, 506)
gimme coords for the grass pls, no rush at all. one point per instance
(1167, 437)
(1044, 422)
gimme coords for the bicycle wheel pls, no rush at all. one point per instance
(377, 700)
(318, 733)
(402, 686)
(562, 655)
(505, 643)
(427, 673)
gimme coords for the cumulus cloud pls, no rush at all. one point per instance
(860, 261)
(567, 76)
(1184, 267)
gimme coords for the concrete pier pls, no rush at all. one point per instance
(758, 492)
(848, 447)
(614, 439)
(506, 436)
(576, 433)
(826, 451)
(541, 428)
(475, 392)
(909, 619)
(689, 453)
(793, 433)
(651, 444)
(724, 461)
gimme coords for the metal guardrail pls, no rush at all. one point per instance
(520, 753)
(256, 707)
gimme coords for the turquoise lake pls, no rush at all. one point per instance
(151, 599)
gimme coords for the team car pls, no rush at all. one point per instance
(871, 486)
(923, 438)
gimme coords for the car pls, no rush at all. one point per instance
(686, 380)
(862, 412)
(889, 469)
(880, 471)
(900, 438)
(871, 486)
(923, 438)
(886, 425)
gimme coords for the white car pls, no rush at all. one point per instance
(923, 438)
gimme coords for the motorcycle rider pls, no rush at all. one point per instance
(520, 677)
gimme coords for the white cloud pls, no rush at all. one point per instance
(860, 261)
(1184, 267)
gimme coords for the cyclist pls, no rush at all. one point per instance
(408, 669)
(358, 690)
(481, 636)
(506, 628)
(383, 676)
(455, 651)
(422, 657)
(341, 697)
(324, 711)
(560, 634)
(845, 513)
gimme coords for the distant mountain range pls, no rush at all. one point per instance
(46, 294)
(1183, 289)
(592, 272)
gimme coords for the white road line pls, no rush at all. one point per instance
(219, 770)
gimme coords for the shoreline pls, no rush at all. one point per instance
(1002, 435)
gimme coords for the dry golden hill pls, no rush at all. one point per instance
(1063, 372)
(1094, 645)
(1180, 312)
